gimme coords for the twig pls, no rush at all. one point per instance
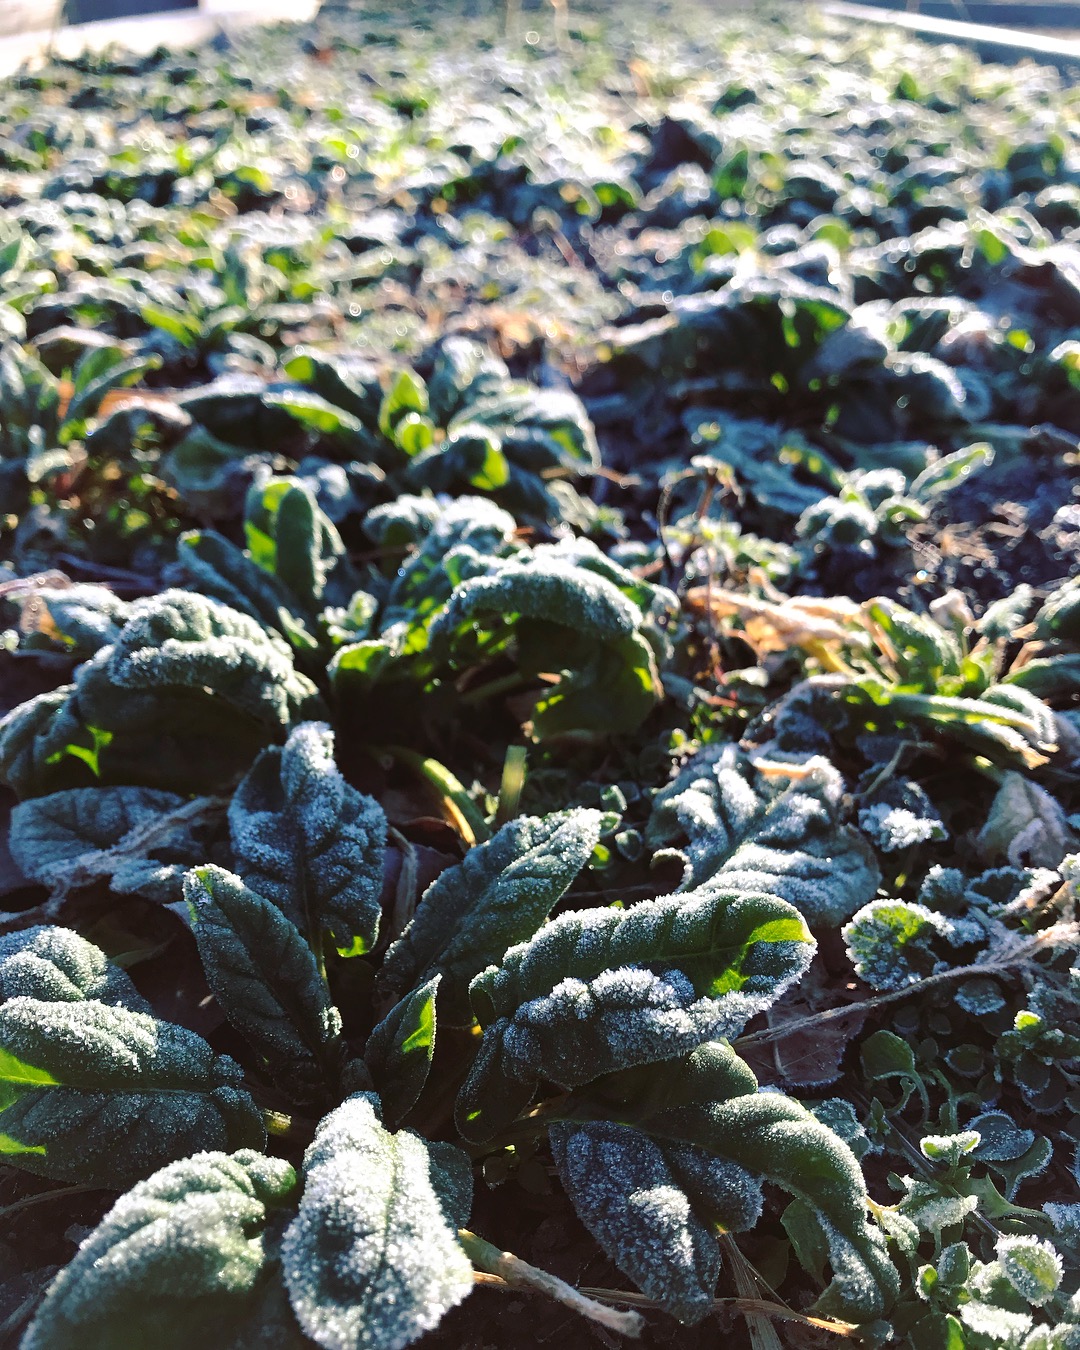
(742, 1305)
(513, 1271)
(1059, 933)
(60, 1193)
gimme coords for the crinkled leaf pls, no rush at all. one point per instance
(187, 1257)
(569, 619)
(307, 840)
(209, 563)
(123, 833)
(370, 1260)
(498, 895)
(103, 1095)
(766, 827)
(702, 1110)
(265, 979)
(653, 1206)
(182, 700)
(601, 990)
(464, 370)
(56, 965)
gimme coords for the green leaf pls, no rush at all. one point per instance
(408, 394)
(400, 1050)
(266, 981)
(317, 414)
(654, 1206)
(775, 828)
(1032, 1267)
(464, 371)
(952, 470)
(539, 428)
(601, 990)
(126, 834)
(371, 1261)
(111, 1094)
(719, 1138)
(893, 943)
(308, 841)
(187, 1257)
(567, 618)
(209, 563)
(56, 965)
(181, 640)
(291, 538)
(498, 895)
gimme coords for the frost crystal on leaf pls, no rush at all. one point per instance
(893, 943)
(1033, 1267)
(499, 894)
(743, 824)
(183, 1259)
(307, 840)
(103, 1095)
(56, 965)
(370, 1260)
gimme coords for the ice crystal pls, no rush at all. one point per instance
(370, 1260)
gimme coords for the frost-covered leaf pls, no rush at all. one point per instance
(178, 639)
(400, 1049)
(265, 979)
(893, 943)
(1000, 1138)
(498, 895)
(307, 840)
(745, 824)
(103, 1095)
(546, 428)
(567, 617)
(839, 1116)
(653, 1206)
(187, 1257)
(1032, 1266)
(949, 1149)
(933, 1207)
(601, 990)
(464, 370)
(707, 1139)
(56, 965)
(210, 564)
(134, 836)
(999, 1327)
(898, 815)
(182, 700)
(370, 1260)
(1025, 825)
(79, 619)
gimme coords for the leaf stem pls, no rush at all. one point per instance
(512, 1270)
(471, 824)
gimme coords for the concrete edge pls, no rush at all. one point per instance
(148, 31)
(1007, 45)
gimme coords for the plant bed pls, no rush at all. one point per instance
(540, 689)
